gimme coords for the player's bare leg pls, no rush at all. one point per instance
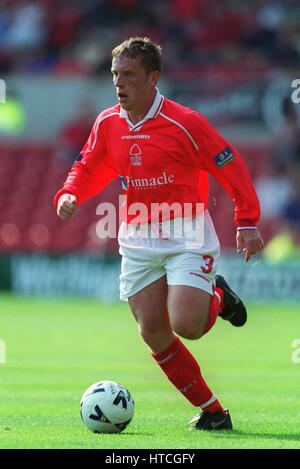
(188, 310)
(160, 309)
(149, 307)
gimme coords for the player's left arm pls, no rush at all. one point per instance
(226, 165)
(235, 178)
(249, 241)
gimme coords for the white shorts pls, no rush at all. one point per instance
(185, 260)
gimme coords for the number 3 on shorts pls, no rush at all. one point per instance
(209, 261)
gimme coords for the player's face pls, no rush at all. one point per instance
(135, 88)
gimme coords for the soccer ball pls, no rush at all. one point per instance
(106, 407)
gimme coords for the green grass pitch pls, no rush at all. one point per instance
(55, 349)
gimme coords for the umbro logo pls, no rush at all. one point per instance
(135, 137)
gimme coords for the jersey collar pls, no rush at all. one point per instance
(151, 114)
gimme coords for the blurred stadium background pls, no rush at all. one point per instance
(234, 61)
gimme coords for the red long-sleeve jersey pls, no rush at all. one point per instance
(165, 158)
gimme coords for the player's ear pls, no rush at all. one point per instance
(154, 76)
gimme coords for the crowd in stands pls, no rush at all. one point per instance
(76, 36)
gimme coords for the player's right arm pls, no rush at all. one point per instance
(90, 173)
(66, 206)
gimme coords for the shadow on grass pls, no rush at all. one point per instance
(135, 434)
(247, 434)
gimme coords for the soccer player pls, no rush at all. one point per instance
(162, 153)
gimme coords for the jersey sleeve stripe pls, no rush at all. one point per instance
(181, 126)
(101, 120)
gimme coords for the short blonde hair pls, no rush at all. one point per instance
(141, 48)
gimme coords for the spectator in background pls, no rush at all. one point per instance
(3, 24)
(26, 26)
(291, 210)
(273, 190)
(270, 15)
(285, 245)
(286, 147)
(74, 134)
(272, 33)
(279, 190)
(275, 187)
(64, 21)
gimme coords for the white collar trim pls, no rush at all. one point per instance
(151, 114)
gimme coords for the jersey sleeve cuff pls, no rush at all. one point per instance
(246, 225)
(60, 193)
(247, 228)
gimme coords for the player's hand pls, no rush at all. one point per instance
(66, 206)
(249, 242)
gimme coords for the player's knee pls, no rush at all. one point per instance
(147, 335)
(189, 327)
(188, 331)
(152, 336)
(190, 334)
